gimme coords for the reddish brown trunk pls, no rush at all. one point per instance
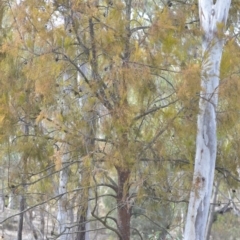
(124, 210)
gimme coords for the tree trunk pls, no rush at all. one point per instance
(212, 211)
(83, 212)
(62, 215)
(42, 221)
(14, 199)
(21, 216)
(213, 18)
(81, 230)
(90, 133)
(124, 209)
(24, 177)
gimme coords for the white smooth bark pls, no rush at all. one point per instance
(213, 19)
(62, 215)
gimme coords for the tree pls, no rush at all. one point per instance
(116, 57)
(108, 91)
(213, 18)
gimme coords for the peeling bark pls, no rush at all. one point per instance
(213, 18)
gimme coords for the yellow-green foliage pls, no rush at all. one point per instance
(120, 90)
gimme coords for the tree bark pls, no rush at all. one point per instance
(90, 132)
(24, 177)
(212, 211)
(21, 216)
(62, 215)
(124, 209)
(42, 221)
(213, 19)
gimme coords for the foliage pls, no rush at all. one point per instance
(118, 82)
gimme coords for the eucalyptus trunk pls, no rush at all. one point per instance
(62, 215)
(213, 19)
(212, 212)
